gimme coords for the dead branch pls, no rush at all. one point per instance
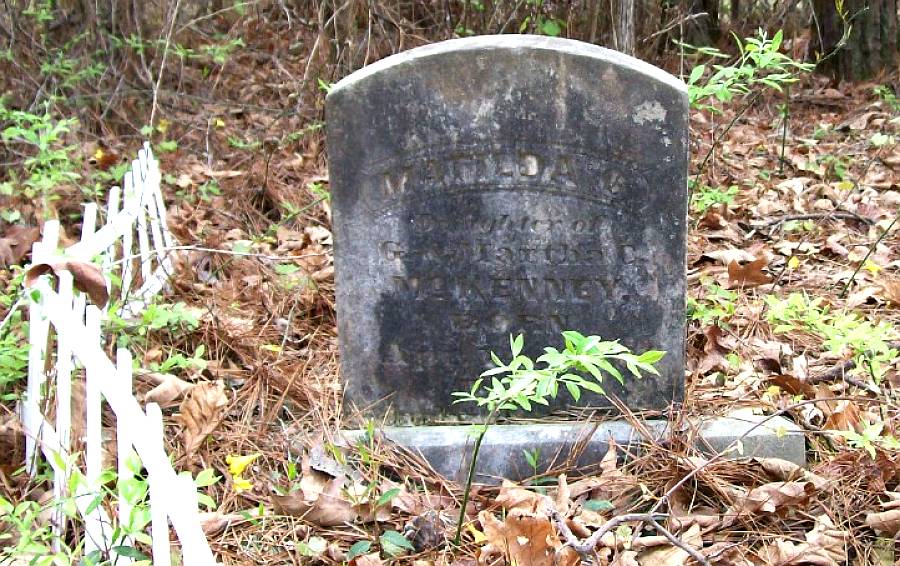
(834, 214)
(586, 547)
(840, 371)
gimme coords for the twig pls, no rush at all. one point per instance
(718, 139)
(162, 63)
(218, 251)
(842, 369)
(675, 23)
(679, 543)
(721, 454)
(586, 547)
(869, 253)
(842, 214)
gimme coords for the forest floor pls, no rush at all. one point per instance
(794, 298)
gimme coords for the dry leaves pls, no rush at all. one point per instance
(87, 278)
(886, 522)
(523, 538)
(770, 498)
(16, 243)
(825, 546)
(367, 560)
(322, 499)
(200, 413)
(748, 275)
(169, 388)
(671, 555)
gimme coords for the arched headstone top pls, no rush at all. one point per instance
(500, 185)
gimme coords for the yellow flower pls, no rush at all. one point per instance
(242, 484)
(871, 267)
(237, 464)
(794, 262)
(162, 126)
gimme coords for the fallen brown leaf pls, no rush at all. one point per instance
(786, 553)
(769, 498)
(168, 388)
(200, 414)
(367, 560)
(748, 275)
(671, 555)
(16, 243)
(625, 558)
(523, 538)
(712, 220)
(87, 278)
(831, 540)
(890, 291)
(714, 351)
(513, 497)
(785, 470)
(213, 522)
(884, 522)
(327, 510)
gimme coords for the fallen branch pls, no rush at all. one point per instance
(842, 214)
(840, 371)
(586, 547)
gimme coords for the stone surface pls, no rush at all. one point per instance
(449, 448)
(497, 185)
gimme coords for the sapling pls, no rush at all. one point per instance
(524, 382)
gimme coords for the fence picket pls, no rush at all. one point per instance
(159, 523)
(93, 441)
(64, 368)
(128, 199)
(55, 310)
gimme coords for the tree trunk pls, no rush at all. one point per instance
(711, 7)
(624, 29)
(871, 46)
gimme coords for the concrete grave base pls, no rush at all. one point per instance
(449, 448)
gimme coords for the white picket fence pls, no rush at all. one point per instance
(136, 212)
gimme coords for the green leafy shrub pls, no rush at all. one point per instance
(760, 65)
(522, 382)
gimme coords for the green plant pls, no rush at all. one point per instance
(176, 316)
(870, 438)
(48, 163)
(26, 538)
(532, 456)
(760, 64)
(209, 189)
(13, 338)
(394, 544)
(843, 333)
(886, 94)
(182, 362)
(715, 307)
(238, 143)
(319, 191)
(706, 197)
(13, 356)
(520, 383)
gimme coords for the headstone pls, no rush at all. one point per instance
(499, 185)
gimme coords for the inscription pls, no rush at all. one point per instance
(594, 224)
(460, 168)
(504, 289)
(540, 168)
(500, 254)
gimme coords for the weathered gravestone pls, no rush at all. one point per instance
(499, 185)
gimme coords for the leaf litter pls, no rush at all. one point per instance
(265, 298)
